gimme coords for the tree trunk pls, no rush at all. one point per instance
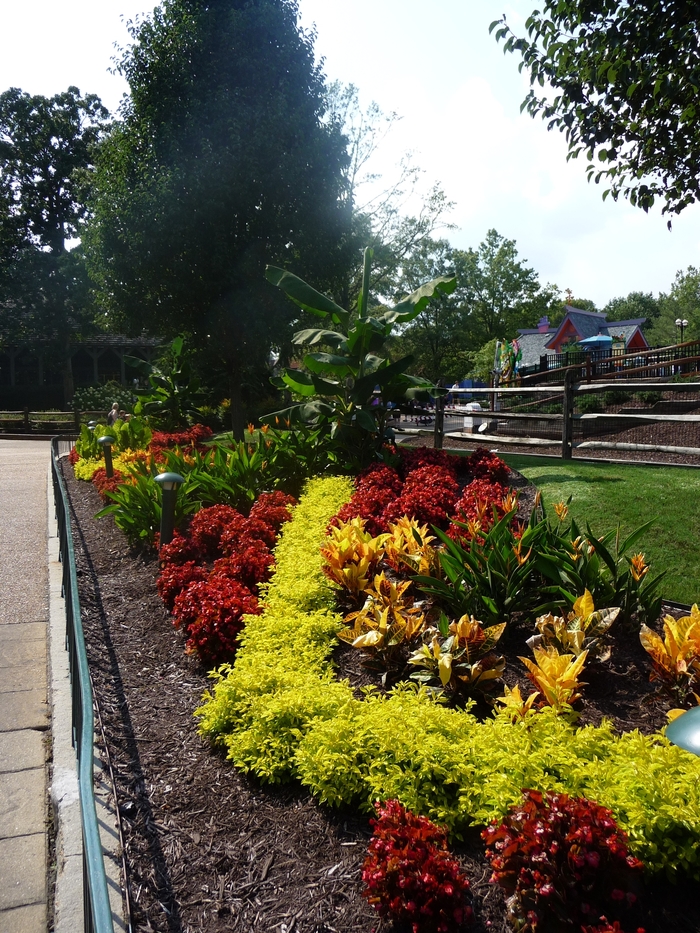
(237, 425)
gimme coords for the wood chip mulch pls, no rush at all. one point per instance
(208, 850)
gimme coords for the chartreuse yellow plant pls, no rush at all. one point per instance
(582, 630)
(281, 714)
(85, 469)
(556, 676)
(675, 658)
(351, 554)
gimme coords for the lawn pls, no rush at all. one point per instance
(629, 495)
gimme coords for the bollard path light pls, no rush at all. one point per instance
(106, 443)
(684, 731)
(169, 483)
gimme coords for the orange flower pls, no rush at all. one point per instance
(521, 558)
(265, 428)
(562, 510)
(639, 568)
(251, 429)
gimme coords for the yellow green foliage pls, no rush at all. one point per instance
(85, 469)
(409, 546)
(281, 714)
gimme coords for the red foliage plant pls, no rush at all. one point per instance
(211, 612)
(104, 484)
(73, 456)
(250, 565)
(242, 530)
(563, 862)
(273, 508)
(208, 526)
(477, 504)
(413, 458)
(175, 577)
(179, 551)
(483, 464)
(429, 495)
(410, 875)
(192, 439)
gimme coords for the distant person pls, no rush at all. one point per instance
(453, 399)
(113, 414)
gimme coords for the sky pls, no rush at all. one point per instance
(459, 99)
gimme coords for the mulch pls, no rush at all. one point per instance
(208, 849)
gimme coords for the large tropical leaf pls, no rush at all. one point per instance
(412, 305)
(313, 335)
(306, 296)
(329, 363)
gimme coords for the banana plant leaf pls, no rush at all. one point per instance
(306, 296)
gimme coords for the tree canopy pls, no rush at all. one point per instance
(47, 149)
(222, 163)
(621, 81)
(496, 294)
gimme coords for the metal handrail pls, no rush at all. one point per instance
(97, 914)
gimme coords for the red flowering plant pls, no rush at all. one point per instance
(410, 875)
(563, 863)
(73, 456)
(211, 613)
(376, 487)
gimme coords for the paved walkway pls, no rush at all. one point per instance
(24, 710)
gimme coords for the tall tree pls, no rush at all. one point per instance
(378, 205)
(681, 303)
(634, 305)
(222, 163)
(625, 79)
(499, 291)
(47, 149)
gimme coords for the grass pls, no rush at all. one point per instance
(629, 495)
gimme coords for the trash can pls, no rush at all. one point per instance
(472, 422)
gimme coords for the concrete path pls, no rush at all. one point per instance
(24, 710)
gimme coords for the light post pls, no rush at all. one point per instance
(681, 324)
(106, 443)
(684, 731)
(169, 483)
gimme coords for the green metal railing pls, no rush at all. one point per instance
(97, 914)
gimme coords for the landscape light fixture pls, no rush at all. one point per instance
(681, 324)
(169, 483)
(684, 731)
(106, 443)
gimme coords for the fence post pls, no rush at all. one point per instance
(26, 421)
(439, 433)
(567, 429)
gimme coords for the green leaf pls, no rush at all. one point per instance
(313, 335)
(366, 421)
(298, 382)
(306, 296)
(411, 306)
(328, 362)
(381, 377)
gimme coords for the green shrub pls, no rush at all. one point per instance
(281, 714)
(101, 398)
